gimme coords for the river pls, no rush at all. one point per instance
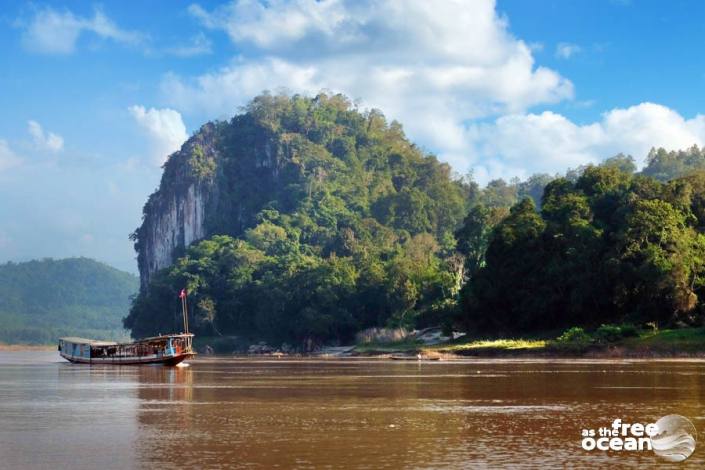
(222, 412)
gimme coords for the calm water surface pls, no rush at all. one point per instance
(230, 413)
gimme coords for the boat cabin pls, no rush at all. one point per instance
(169, 349)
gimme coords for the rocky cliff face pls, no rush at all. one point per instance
(174, 216)
(216, 183)
(180, 223)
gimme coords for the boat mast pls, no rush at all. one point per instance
(184, 308)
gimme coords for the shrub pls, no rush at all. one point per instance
(573, 339)
(574, 335)
(613, 333)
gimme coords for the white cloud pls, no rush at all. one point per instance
(165, 128)
(198, 45)
(44, 140)
(566, 50)
(274, 23)
(8, 158)
(421, 62)
(56, 32)
(518, 145)
(230, 87)
(451, 72)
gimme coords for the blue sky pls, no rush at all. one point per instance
(96, 95)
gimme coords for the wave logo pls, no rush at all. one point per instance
(674, 439)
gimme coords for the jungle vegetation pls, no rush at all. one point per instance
(358, 227)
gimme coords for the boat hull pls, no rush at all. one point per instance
(165, 360)
(163, 349)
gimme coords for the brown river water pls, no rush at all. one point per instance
(223, 412)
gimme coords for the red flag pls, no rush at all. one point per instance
(182, 294)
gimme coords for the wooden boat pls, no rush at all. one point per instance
(418, 357)
(166, 349)
(163, 349)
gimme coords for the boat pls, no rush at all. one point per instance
(164, 349)
(418, 357)
(168, 349)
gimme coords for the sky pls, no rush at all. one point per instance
(95, 96)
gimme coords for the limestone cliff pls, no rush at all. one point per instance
(308, 220)
(215, 184)
(174, 215)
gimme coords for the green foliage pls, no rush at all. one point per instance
(533, 187)
(665, 166)
(202, 165)
(322, 220)
(609, 246)
(279, 291)
(576, 339)
(474, 235)
(573, 339)
(624, 163)
(498, 193)
(326, 221)
(42, 300)
(691, 340)
(614, 333)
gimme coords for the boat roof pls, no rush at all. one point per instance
(174, 335)
(94, 342)
(97, 342)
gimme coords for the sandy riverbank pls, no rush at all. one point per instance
(26, 347)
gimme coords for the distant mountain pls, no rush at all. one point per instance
(42, 300)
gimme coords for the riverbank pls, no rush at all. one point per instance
(606, 342)
(665, 343)
(27, 347)
(685, 342)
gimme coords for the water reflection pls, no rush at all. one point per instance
(169, 385)
(225, 413)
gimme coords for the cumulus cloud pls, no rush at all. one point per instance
(276, 23)
(451, 72)
(566, 50)
(8, 158)
(421, 62)
(518, 145)
(164, 127)
(56, 32)
(461, 52)
(44, 140)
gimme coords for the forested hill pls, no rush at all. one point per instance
(318, 220)
(607, 247)
(304, 220)
(42, 300)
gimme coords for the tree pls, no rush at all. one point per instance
(662, 263)
(474, 235)
(664, 165)
(624, 163)
(533, 187)
(606, 248)
(496, 299)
